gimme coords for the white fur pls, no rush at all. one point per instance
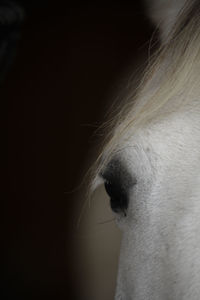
(160, 252)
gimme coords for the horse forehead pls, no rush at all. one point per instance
(164, 146)
(178, 129)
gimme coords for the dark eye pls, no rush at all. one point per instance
(118, 196)
(118, 182)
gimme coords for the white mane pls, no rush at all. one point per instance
(170, 83)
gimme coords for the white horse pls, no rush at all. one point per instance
(151, 166)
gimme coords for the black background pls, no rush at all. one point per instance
(69, 60)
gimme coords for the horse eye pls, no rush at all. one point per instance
(118, 197)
